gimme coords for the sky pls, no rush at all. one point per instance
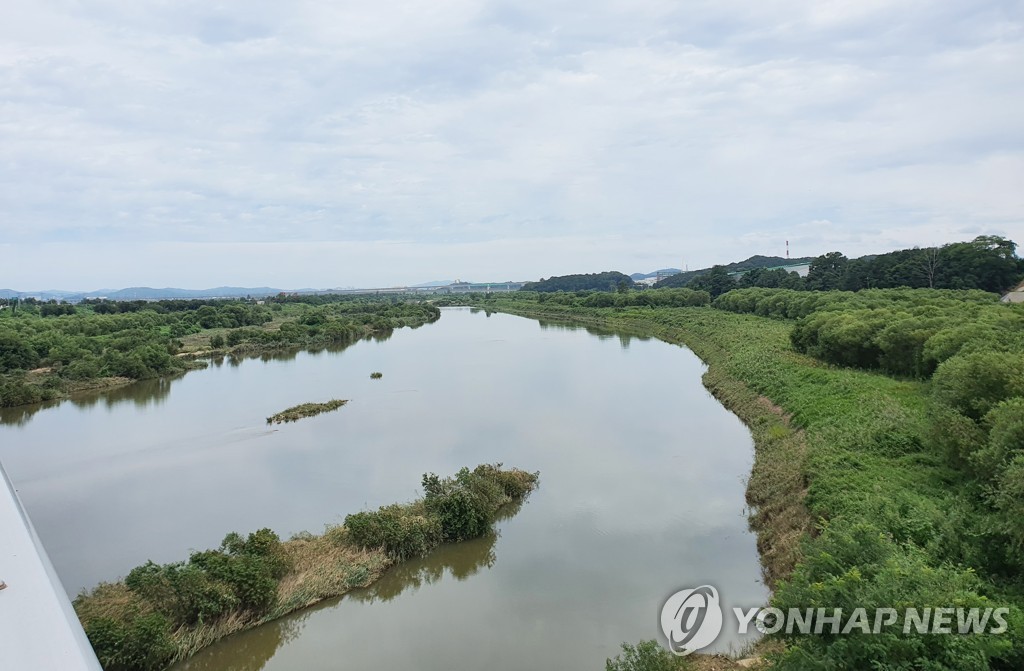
(333, 144)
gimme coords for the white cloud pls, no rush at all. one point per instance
(526, 134)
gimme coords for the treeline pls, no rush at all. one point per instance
(988, 263)
(594, 299)
(161, 613)
(971, 347)
(905, 332)
(755, 264)
(43, 357)
(606, 281)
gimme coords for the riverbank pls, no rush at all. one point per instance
(853, 503)
(51, 358)
(161, 614)
(777, 487)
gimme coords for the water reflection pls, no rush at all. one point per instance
(459, 560)
(642, 489)
(144, 393)
(624, 336)
(251, 650)
(247, 652)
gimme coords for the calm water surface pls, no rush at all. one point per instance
(641, 493)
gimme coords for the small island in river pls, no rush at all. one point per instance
(298, 412)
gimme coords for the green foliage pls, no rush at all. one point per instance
(144, 644)
(297, 412)
(856, 565)
(606, 281)
(716, 282)
(138, 339)
(465, 505)
(241, 575)
(826, 272)
(973, 384)
(402, 531)
(453, 509)
(644, 656)
(754, 263)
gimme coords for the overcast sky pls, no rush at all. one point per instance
(322, 144)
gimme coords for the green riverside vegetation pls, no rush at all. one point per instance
(163, 613)
(49, 350)
(297, 412)
(889, 465)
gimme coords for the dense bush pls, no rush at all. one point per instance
(242, 574)
(143, 644)
(403, 531)
(452, 509)
(856, 565)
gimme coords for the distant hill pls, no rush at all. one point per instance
(606, 281)
(756, 261)
(148, 293)
(647, 276)
(145, 293)
(435, 283)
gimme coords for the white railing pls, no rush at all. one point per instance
(39, 630)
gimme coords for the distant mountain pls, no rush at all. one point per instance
(435, 283)
(145, 293)
(148, 293)
(45, 295)
(647, 276)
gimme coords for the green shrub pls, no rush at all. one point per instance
(144, 644)
(644, 656)
(854, 565)
(400, 530)
(973, 384)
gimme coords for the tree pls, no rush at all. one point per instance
(988, 262)
(930, 259)
(826, 272)
(716, 282)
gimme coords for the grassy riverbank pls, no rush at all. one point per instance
(160, 614)
(107, 344)
(853, 502)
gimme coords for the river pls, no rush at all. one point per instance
(642, 481)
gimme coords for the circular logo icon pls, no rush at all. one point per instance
(691, 619)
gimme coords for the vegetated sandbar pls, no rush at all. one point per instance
(162, 613)
(297, 412)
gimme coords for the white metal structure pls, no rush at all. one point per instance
(39, 630)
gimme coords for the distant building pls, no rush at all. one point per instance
(1015, 296)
